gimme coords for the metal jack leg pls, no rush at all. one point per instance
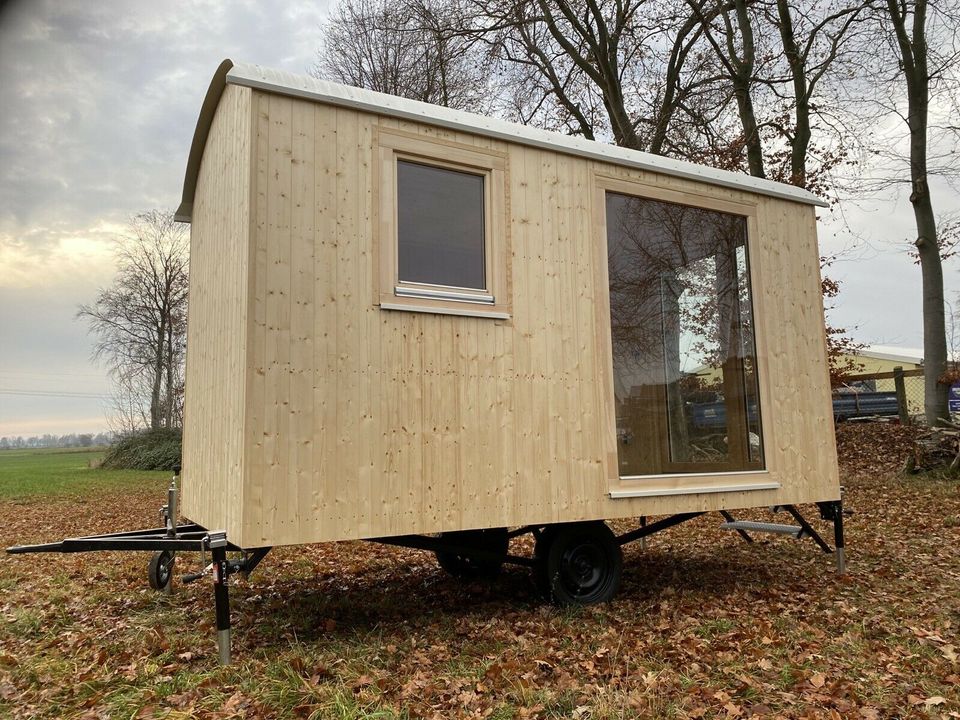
(217, 543)
(838, 537)
(170, 513)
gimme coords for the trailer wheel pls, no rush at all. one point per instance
(494, 540)
(160, 569)
(581, 563)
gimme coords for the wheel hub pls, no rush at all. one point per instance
(584, 567)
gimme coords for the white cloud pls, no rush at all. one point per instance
(55, 257)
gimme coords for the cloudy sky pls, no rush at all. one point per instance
(100, 100)
(99, 106)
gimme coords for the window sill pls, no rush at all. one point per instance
(693, 484)
(463, 309)
(445, 295)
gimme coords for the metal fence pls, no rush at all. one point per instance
(898, 393)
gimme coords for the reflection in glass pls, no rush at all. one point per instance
(684, 360)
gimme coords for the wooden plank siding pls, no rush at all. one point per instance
(362, 422)
(217, 340)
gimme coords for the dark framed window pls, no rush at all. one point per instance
(440, 226)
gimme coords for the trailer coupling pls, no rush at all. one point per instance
(165, 542)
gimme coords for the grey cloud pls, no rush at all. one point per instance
(104, 97)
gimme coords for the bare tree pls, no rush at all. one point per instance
(730, 32)
(140, 321)
(628, 71)
(785, 63)
(127, 411)
(814, 39)
(924, 40)
(409, 48)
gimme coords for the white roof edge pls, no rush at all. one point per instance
(303, 86)
(913, 359)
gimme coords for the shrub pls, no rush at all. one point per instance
(147, 450)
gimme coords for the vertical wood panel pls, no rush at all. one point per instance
(302, 284)
(212, 490)
(349, 299)
(324, 319)
(368, 360)
(279, 481)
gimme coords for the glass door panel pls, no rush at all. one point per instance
(684, 360)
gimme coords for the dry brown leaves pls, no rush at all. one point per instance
(705, 626)
(874, 447)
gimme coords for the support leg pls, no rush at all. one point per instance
(840, 552)
(218, 552)
(171, 512)
(807, 528)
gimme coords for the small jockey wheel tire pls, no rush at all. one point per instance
(160, 570)
(582, 563)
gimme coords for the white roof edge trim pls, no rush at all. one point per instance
(309, 88)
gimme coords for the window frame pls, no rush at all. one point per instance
(689, 474)
(492, 300)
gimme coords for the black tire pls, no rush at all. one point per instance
(160, 569)
(468, 567)
(582, 563)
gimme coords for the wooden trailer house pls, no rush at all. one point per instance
(408, 320)
(437, 330)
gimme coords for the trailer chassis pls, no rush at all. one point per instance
(165, 542)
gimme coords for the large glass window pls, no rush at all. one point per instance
(440, 226)
(684, 359)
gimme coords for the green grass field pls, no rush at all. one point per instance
(31, 473)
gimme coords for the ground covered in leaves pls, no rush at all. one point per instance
(705, 625)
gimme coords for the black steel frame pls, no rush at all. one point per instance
(440, 544)
(188, 537)
(170, 538)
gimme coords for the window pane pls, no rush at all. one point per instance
(683, 352)
(440, 226)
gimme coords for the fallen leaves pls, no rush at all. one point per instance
(874, 447)
(706, 626)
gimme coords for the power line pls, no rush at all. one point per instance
(51, 374)
(53, 393)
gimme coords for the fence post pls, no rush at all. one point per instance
(901, 395)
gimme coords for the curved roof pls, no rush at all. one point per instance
(309, 88)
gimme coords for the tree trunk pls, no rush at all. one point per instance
(742, 79)
(156, 405)
(935, 393)
(913, 52)
(800, 141)
(169, 361)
